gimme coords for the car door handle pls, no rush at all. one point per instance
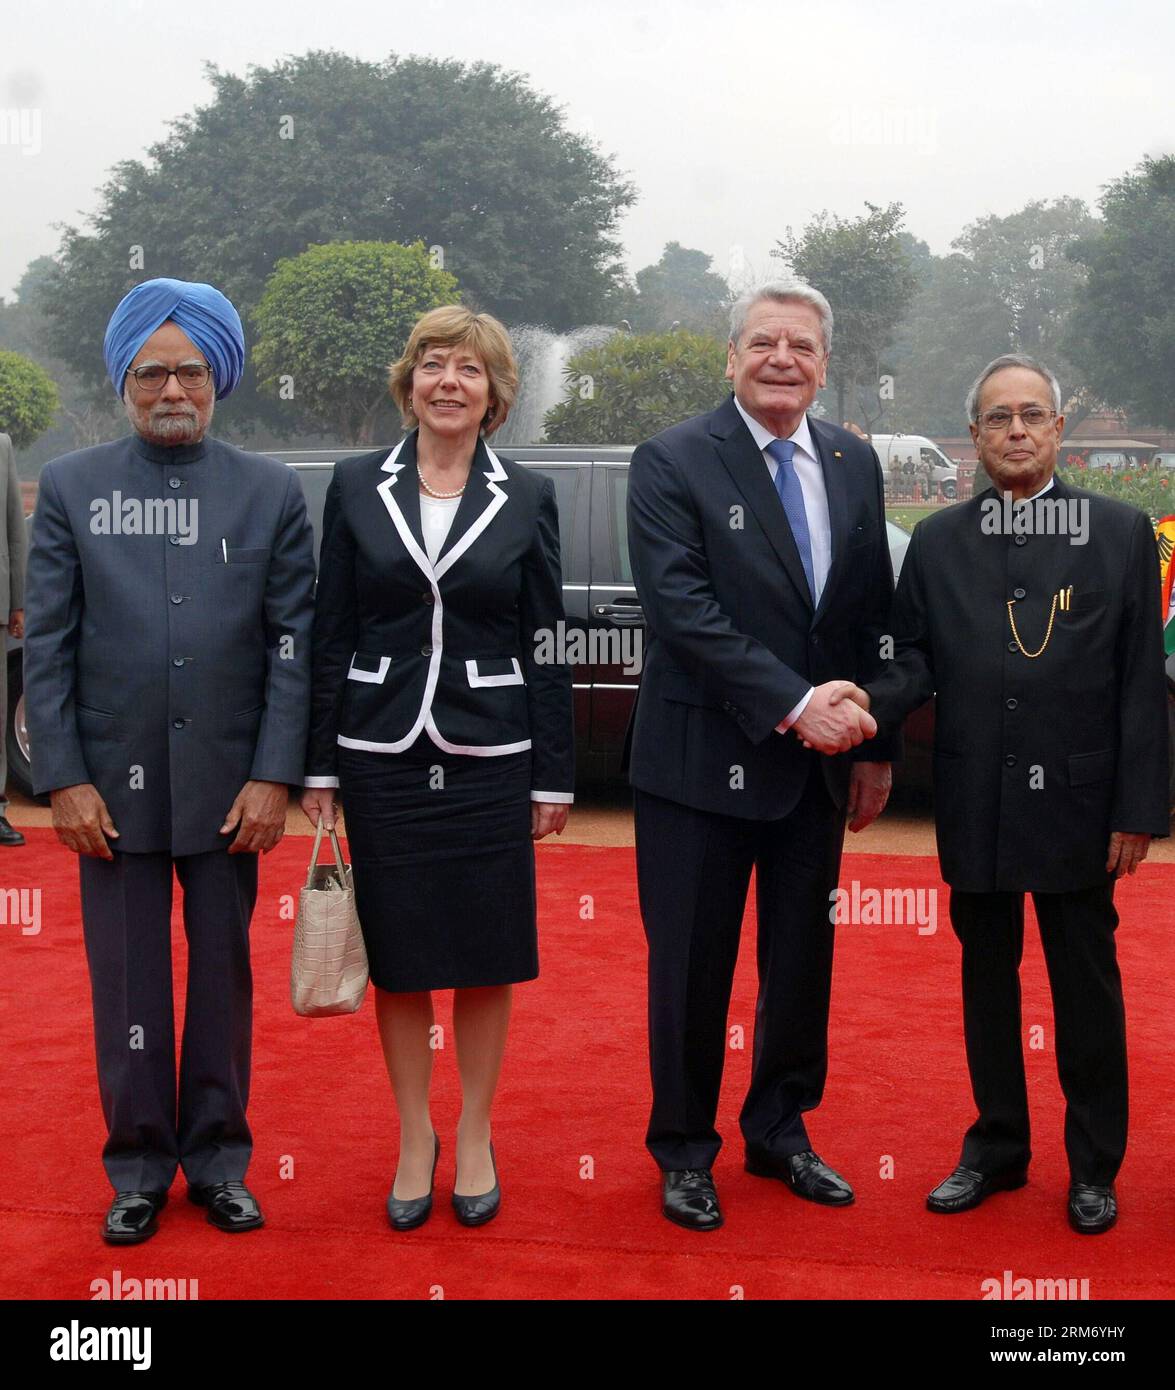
(622, 614)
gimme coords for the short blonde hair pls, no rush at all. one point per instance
(453, 325)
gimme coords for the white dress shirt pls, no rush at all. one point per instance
(811, 478)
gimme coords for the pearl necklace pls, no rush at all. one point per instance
(432, 492)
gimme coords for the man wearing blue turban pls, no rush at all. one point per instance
(168, 611)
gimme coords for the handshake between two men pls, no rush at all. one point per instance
(836, 718)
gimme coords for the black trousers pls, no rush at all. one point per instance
(126, 920)
(1077, 933)
(693, 871)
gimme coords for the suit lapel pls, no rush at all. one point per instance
(483, 498)
(402, 499)
(838, 509)
(744, 463)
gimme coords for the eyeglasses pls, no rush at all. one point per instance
(1033, 416)
(190, 375)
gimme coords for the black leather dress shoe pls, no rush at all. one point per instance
(1092, 1209)
(806, 1174)
(8, 836)
(483, 1207)
(965, 1188)
(133, 1216)
(406, 1213)
(689, 1197)
(231, 1206)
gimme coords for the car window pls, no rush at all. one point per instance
(315, 480)
(566, 480)
(618, 507)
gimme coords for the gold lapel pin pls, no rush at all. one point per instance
(836, 453)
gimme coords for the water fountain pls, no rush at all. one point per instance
(542, 358)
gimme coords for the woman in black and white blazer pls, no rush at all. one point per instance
(451, 746)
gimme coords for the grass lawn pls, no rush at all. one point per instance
(907, 516)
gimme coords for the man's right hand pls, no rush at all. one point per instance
(833, 721)
(82, 821)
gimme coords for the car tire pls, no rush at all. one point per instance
(20, 772)
(949, 489)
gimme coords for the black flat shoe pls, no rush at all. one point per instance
(406, 1213)
(9, 836)
(689, 1198)
(806, 1174)
(476, 1211)
(1092, 1209)
(133, 1216)
(231, 1206)
(965, 1188)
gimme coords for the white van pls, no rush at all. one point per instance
(911, 456)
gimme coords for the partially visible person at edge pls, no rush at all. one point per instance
(450, 744)
(12, 566)
(167, 673)
(1042, 646)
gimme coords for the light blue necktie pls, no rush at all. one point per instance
(792, 497)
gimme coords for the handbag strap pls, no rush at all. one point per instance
(334, 839)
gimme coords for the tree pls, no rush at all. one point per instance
(1007, 286)
(637, 385)
(330, 323)
(862, 268)
(28, 399)
(680, 289)
(323, 148)
(1121, 333)
(82, 418)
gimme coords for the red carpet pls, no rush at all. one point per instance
(580, 1214)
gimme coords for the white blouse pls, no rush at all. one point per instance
(436, 517)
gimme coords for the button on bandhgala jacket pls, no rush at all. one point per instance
(168, 673)
(1036, 758)
(403, 648)
(733, 638)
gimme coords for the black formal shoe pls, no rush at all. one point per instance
(965, 1188)
(477, 1210)
(133, 1216)
(806, 1174)
(406, 1213)
(8, 836)
(231, 1206)
(689, 1197)
(1092, 1209)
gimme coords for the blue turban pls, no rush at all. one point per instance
(203, 313)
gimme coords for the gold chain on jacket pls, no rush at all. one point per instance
(1064, 597)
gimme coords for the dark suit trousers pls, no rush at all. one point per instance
(1077, 933)
(693, 870)
(126, 916)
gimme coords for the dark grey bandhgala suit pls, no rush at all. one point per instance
(169, 669)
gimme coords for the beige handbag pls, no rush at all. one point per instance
(328, 972)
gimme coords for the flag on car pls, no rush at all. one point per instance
(1165, 535)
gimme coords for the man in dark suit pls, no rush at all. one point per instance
(167, 672)
(759, 552)
(1031, 613)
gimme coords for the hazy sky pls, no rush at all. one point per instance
(735, 118)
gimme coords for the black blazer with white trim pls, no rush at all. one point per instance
(403, 647)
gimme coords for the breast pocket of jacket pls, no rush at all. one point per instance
(489, 672)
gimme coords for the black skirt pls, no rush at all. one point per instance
(443, 865)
